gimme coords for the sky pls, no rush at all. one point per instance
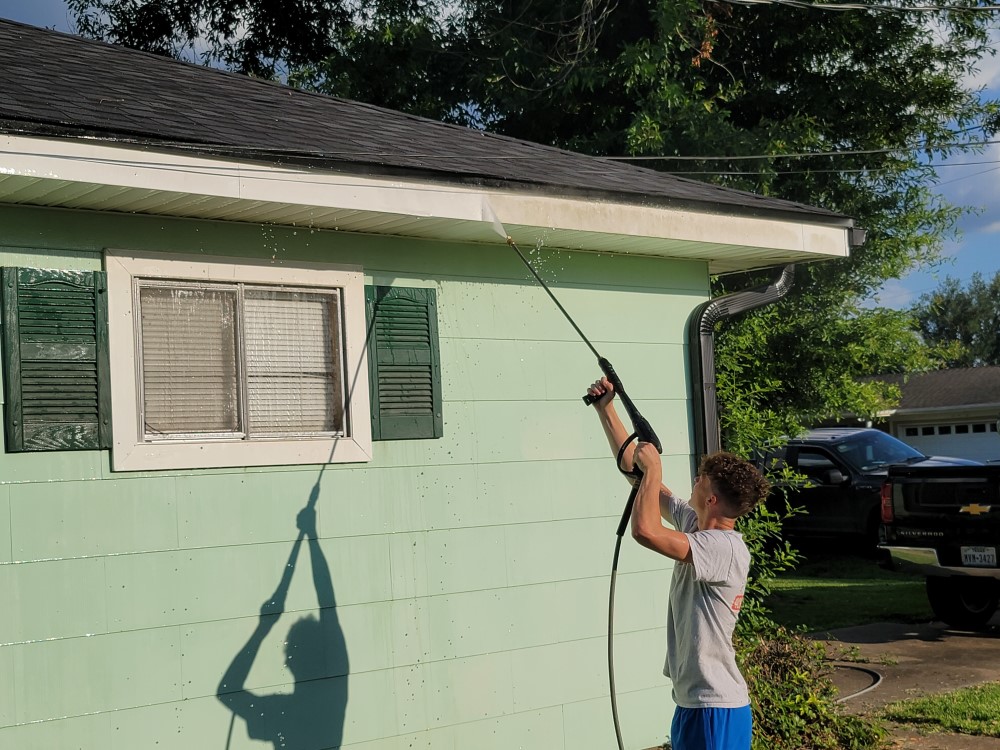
(976, 186)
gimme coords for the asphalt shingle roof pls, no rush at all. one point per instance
(948, 388)
(63, 85)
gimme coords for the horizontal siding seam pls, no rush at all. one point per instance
(376, 535)
(309, 610)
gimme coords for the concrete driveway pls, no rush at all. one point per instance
(910, 661)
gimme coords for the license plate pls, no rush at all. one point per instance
(981, 557)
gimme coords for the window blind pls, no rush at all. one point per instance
(293, 356)
(189, 360)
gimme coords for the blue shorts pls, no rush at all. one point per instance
(711, 729)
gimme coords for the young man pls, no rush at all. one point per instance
(709, 579)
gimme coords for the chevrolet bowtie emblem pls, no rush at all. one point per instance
(975, 509)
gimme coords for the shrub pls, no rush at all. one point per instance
(793, 699)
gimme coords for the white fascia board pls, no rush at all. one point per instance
(475, 210)
(670, 224)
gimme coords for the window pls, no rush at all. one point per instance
(911, 432)
(216, 363)
(927, 430)
(979, 427)
(961, 429)
(814, 464)
(237, 361)
(944, 429)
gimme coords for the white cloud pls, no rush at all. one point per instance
(893, 294)
(987, 74)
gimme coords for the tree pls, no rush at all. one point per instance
(255, 37)
(395, 53)
(969, 316)
(694, 78)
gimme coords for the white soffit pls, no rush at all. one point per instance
(98, 176)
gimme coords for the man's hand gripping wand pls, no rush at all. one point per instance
(641, 430)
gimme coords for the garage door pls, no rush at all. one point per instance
(974, 440)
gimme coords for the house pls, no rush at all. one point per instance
(294, 452)
(948, 412)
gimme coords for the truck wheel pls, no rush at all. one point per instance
(963, 602)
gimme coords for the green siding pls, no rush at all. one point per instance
(469, 572)
(127, 516)
(8, 702)
(5, 553)
(76, 676)
(56, 599)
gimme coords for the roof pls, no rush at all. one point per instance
(942, 389)
(829, 434)
(90, 126)
(59, 84)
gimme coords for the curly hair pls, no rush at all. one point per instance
(736, 482)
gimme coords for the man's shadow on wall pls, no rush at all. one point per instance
(312, 715)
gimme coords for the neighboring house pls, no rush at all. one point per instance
(294, 449)
(948, 412)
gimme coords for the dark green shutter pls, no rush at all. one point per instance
(404, 367)
(55, 348)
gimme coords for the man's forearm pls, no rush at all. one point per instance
(647, 526)
(616, 434)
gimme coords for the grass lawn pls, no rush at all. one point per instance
(829, 590)
(974, 710)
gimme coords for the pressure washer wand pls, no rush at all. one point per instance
(641, 430)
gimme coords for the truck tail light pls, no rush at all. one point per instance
(887, 516)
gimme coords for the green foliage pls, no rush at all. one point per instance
(395, 53)
(255, 37)
(793, 699)
(783, 368)
(966, 319)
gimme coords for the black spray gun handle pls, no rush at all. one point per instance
(641, 427)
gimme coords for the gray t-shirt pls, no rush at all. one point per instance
(705, 599)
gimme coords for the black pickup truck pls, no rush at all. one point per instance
(841, 475)
(944, 522)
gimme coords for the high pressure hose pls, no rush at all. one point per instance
(641, 431)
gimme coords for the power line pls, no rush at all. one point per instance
(806, 154)
(856, 170)
(868, 6)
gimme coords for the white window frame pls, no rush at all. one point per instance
(131, 452)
